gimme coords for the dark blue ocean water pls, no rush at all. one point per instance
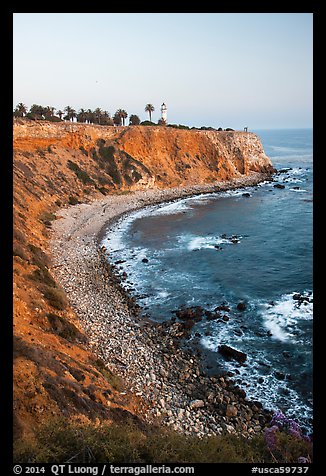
(193, 260)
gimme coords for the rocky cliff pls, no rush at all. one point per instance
(56, 165)
(134, 157)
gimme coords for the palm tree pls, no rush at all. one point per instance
(122, 114)
(98, 115)
(149, 108)
(49, 112)
(60, 113)
(71, 113)
(106, 119)
(81, 116)
(20, 110)
(90, 117)
(117, 119)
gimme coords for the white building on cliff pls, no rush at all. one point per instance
(164, 112)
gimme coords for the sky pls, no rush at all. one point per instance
(211, 69)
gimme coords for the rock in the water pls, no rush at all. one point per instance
(211, 316)
(279, 185)
(231, 353)
(192, 313)
(222, 307)
(241, 306)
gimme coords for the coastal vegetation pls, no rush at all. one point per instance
(96, 116)
(62, 441)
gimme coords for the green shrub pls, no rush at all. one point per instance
(178, 126)
(100, 142)
(73, 200)
(114, 173)
(81, 174)
(107, 153)
(112, 379)
(83, 150)
(148, 123)
(39, 258)
(64, 328)
(19, 236)
(42, 275)
(103, 190)
(102, 180)
(47, 218)
(56, 298)
(18, 250)
(54, 119)
(59, 440)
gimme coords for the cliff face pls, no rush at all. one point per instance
(134, 157)
(60, 164)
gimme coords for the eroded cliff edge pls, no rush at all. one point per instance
(56, 165)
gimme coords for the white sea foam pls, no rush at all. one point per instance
(259, 381)
(162, 294)
(168, 209)
(192, 242)
(283, 318)
(201, 242)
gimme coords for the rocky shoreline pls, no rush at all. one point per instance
(150, 357)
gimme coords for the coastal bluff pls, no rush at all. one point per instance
(84, 175)
(139, 156)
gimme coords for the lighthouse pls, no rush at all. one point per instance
(164, 112)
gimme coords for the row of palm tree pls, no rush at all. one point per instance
(98, 116)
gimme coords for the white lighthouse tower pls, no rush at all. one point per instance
(164, 113)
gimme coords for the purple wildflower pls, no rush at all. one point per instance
(279, 419)
(295, 433)
(286, 424)
(294, 429)
(270, 436)
(303, 459)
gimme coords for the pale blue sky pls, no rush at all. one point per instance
(213, 69)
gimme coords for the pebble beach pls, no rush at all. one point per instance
(151, 358)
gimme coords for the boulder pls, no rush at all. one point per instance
(279, 185)
(222, 307)
(194, 404)
(190, 313)
(283, 171)
(211, 316)
(231, 411)
(241, 306)
(231, 353)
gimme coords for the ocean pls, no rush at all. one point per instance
(251, 246)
